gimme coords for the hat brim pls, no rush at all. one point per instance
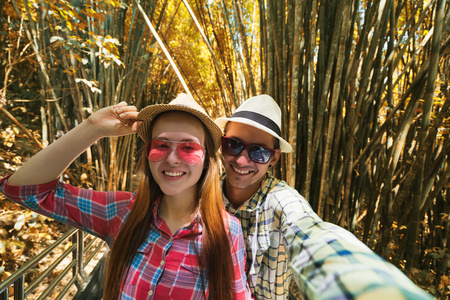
(148, 114)
(222, 122)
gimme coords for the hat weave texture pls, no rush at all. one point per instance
(184, 103)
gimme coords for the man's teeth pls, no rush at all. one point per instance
(243, 172)
(173, 174)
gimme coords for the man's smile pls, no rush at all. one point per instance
(241, 171)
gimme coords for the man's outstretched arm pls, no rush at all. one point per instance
(329, 262)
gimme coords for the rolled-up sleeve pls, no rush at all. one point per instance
(98, 213)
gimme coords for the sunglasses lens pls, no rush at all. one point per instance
(259, 154)
(231, 146)
(190, 153)
(256, 153)
(158, 150)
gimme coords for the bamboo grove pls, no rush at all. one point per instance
(363, 86)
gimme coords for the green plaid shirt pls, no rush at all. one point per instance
(325, 260)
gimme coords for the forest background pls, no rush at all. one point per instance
(363, 87)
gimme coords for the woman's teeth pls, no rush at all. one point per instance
(173, 174)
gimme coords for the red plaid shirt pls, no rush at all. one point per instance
(165, 266)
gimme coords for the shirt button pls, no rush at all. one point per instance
(150, 292)
(162, 262)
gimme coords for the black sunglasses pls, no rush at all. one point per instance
(256, 153)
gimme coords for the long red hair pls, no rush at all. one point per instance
(215, 253)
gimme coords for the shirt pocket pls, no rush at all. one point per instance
(187, 284)
(139, 263)
(256, 254)
(135, 272)
(190, 263)
(134, 286)
(263, 239)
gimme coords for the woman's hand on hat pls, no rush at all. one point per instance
(115, 120)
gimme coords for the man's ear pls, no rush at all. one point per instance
(275, 157)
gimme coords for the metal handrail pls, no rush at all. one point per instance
(57, 280)
(29, 265)
(77, 265)
(35, 283)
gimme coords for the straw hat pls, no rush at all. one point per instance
(261, 112)
(182, 102)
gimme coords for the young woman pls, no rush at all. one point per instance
(171, 239)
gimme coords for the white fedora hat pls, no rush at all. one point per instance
(261, 112)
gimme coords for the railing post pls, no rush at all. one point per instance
(19, 288)
(75, 253)
(75, 256)
(81, 255)
(4, 295)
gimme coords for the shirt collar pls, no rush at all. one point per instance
(257, 199)
(193, 228)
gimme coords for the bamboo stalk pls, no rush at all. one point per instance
(161, 44)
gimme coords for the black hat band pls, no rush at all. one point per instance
(258, 118)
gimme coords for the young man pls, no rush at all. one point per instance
(284, 237)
